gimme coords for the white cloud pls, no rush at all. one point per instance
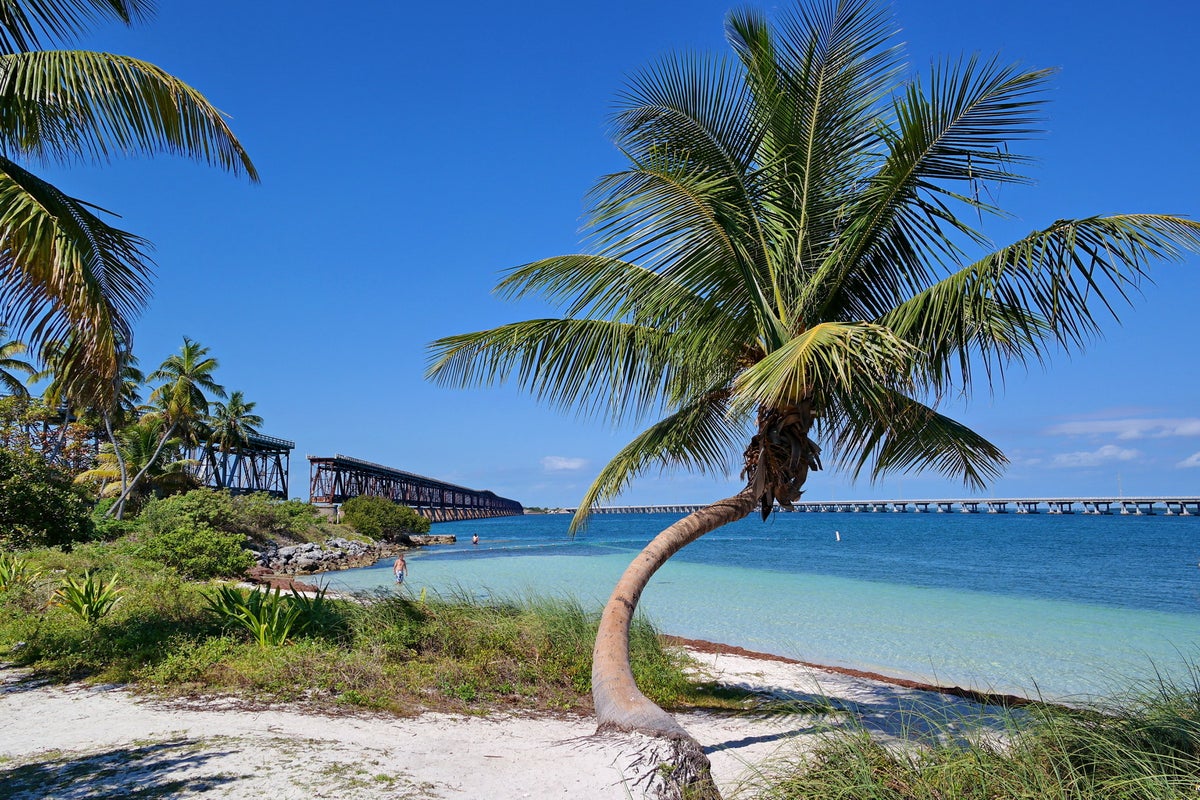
(1129, 428)
(1191, 461)
(1094, 458)
(563, 464)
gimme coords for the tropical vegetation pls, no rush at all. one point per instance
(387, 651)
(68, 275)
(792, 272)
(40, 506)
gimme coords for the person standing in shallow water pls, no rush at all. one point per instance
(475, 538)
(400, 569)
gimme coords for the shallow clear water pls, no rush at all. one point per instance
(1058, 605)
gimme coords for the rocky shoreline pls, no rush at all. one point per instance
(278, 566)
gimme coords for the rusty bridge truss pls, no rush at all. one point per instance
(259, 466)
(335, 480)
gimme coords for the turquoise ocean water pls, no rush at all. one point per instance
(1063, 606)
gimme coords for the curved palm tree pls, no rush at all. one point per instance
(790, 263)
(63, 270)
(232, 424)
(182, 404)
(10, 364)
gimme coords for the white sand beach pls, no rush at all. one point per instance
(80, 741)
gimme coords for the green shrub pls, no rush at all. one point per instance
(198, 551)
(379, 517)
(253, 515)
(204, 507)
(106, 528)
(39, 505)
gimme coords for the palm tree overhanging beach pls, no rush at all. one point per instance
(790, 274)
(65, 274)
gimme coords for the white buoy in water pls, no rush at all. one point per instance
(838, 534)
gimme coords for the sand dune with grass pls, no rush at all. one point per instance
(80, 740)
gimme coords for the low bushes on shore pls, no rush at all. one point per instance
(387, 650)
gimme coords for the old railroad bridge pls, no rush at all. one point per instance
(335, 480)
(1170, 506)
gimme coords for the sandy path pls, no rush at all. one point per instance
(82, 741)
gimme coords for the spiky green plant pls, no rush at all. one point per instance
(16, 571)
(269, 617)
(88, 597)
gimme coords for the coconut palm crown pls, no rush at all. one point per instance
(65, 273)
(790, 274)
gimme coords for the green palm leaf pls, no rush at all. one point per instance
(25, 24)
(61, 105)
(64, 273)
(895, 433)
(830, 358)
(700, 437)
(600, 367)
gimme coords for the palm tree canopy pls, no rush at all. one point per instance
(232, 424)
(65, 273)
(188, 382)
(794, 248)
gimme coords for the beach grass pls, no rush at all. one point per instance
(386, 650)
(1145, 746)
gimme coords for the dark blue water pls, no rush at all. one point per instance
(1150, 563)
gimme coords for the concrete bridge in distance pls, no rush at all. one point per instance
(1139, 506)
(334, 480)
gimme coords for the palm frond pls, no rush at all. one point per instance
(701, 437)
(833, 357)
(1044, 290)
(57, 105)
(598, 367)
(956, 133)
(817, 87)
(65, 274)
(26, 24)
(895, 433)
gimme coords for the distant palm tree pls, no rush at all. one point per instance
(183, 399)
(232, 424)
(181, 402)
(10, 364)
(62, 269)
(787, 261)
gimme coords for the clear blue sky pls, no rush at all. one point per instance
(409, 153)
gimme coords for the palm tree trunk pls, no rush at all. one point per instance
(620, 705)
(60, 437)
(118, 506)
(120, 463)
